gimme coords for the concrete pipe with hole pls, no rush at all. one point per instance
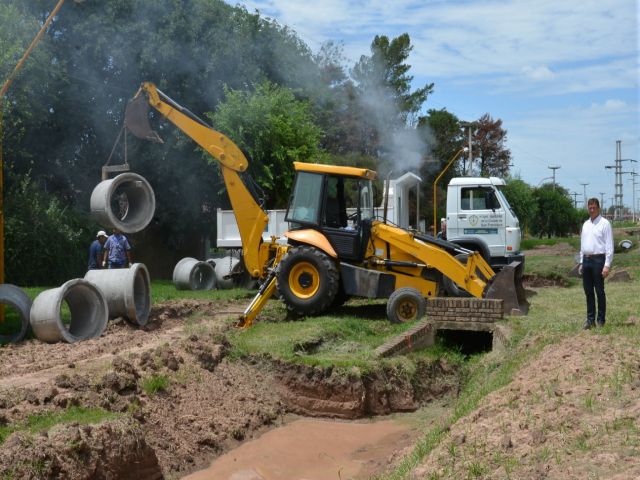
(192, 274)
(87, 308)
(226, 270)
(127, 291)
(126, 202)
(16, 298)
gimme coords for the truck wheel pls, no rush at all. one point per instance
(452, 287)
(406, 304)
(307, 280)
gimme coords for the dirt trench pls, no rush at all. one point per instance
(177, 399)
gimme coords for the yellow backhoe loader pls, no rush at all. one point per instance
(330, 255)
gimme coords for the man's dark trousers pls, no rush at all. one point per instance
(592, 280)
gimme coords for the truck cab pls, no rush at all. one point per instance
(480, 218)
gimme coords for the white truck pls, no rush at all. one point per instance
(478, 218)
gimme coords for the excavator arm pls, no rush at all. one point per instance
(250, 216)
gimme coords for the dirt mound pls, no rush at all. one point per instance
(563, 417)
(113, 449)
(559, 249)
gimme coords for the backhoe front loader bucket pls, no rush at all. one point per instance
(507, 285)
(136, 119)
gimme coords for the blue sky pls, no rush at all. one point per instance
(562, 75)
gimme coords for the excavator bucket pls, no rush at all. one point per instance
(136, 119)
(507, 285)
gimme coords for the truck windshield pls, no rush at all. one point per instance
(305, 203)
(504, 201)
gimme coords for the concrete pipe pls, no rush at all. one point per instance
(228, 267)
(192, 274)
(87, 308)
(127, 291)
(19, 301)
(126, 202)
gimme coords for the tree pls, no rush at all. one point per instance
(387, 106)
(275, 130)
(523, 201)
(556, 215)
(488, 147)
(45, 241)
(65, 110)
(384, 76)
(442, 132)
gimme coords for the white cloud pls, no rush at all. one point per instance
(538, 73)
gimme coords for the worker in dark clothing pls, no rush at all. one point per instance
(95, 251)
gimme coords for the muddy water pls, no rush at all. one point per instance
(312, 449)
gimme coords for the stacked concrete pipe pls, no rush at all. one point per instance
(20, 301)
(192, 274)
(127, 291)
(88, 309)
(140, 206)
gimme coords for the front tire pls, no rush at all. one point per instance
(405, 305)
(308, 280)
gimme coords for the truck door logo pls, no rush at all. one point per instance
(473, 220)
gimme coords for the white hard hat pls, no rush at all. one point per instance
(101, 233)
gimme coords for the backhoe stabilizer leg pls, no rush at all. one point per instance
(507, 285)
(265, 292)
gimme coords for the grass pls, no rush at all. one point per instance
(346, 339)
(44, 421)
(155, 384)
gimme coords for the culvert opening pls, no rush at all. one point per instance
(466, 341)
(11, 325)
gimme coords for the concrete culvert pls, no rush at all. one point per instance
(75, 311)
(126, 202)
(192, 274)
(126, 290)
(16, 320)
(227, 268)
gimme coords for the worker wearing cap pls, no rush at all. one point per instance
(596, 255)
(117, 251)
(95, 250)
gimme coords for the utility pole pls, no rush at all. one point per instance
(575, 199)
(617, 214)
(468, 126)
(554, 175)
(584, 186)
(633, 193)
(602, 202)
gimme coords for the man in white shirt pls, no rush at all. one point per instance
(596, 254)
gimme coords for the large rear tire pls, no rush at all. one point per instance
(405, 305)
(452, 287)
(308, 280)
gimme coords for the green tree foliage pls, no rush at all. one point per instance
(521, 198)
(275, 130)
(442, 132)
(488, 147)
(384, 75)
(45, 242)
(556, 215)
(65, 110)
(386, 108)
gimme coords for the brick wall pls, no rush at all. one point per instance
(464, 310)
